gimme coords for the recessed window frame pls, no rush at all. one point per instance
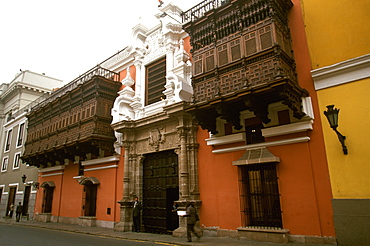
(8, 140)
(4, 164)
(20, 134)
(17, 160)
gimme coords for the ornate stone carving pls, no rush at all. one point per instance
(156, 138)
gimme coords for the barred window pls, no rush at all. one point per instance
(260, 201)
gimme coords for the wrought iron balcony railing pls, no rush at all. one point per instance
(96, 71)
(200, 9)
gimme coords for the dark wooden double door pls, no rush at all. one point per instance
(160, 190)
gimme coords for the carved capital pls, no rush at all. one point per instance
(182, 132)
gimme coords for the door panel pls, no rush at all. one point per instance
(26, 199)
(160, 188)
(11, 198)
(90, 199)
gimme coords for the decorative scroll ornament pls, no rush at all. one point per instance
(156, 138)
(128, 81)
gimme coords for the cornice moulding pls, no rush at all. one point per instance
(287, 129)
(264, 144)
(267, 132)
(343, 72)
(103, 160)
(238, 137)
(100, 168)
(52, 174)
(51, 169)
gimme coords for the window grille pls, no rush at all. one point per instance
(259, 195)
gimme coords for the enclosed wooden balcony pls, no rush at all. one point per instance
(74, 122)
(242, 60)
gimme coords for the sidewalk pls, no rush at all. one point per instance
(168, 239)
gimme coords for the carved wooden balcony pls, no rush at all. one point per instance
(242, 59)
(74, 121)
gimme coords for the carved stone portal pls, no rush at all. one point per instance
(178, 133)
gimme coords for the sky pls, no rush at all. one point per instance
(64, 39)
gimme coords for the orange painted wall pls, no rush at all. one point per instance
(68, 189)
(303, 172)
(123, 74)
(72, 192)
(218, 186)
(57, 179)
(187, 46)
(303, 182)
(316, 147)
(119, 187)
(106, 193)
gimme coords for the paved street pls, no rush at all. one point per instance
(145, 237)
(35, 236)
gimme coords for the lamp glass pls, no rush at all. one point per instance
(24, 177)
(332, 116)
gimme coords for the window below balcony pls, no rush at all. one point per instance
(260, 199)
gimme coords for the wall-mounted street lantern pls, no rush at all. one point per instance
(332, 115)
(24, 177)
(34, 184)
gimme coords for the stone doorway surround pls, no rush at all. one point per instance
(172, 128)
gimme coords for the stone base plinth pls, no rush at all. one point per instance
(88, 221)
(264, 235)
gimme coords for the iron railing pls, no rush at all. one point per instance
(95, 71)
(29, 106)
(199, 10)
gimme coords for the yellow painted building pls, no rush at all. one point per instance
(338, 36)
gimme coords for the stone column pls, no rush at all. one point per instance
(125, 223)
(184, 195)
(183, 166)
(188, 172)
